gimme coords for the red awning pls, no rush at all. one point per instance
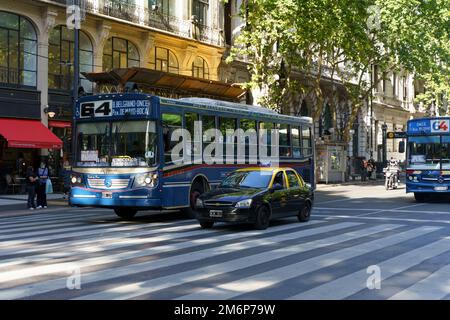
(59, 124)
(28, 134)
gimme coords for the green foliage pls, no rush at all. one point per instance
(341, 40)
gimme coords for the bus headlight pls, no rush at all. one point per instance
(75, 179)
(146, 180)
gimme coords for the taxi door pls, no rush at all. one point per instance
(279, 198)
(296, 197)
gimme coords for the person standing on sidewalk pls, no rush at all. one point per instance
(32, 181)
(41, 194)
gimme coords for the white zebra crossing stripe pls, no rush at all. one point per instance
(63, 267)
(56, 219)
(112, 237)
(434, 287)
(139, 288)
(269, 278)
(79, 250)
(356, 281)
(71, 231)
(55, 284)
(37, 217)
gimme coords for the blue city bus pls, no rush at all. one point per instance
(123, 149)
(428, 157)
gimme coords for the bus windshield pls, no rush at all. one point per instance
(117, 144)
(429, 152)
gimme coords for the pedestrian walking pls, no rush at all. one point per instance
(31, 181)
(363, 169)
(42, 183)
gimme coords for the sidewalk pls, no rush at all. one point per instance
(350, 183)
(19, 201)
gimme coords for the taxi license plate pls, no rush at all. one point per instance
(215, 213)
(440, 188)
(107, 195)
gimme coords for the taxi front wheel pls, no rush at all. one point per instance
(206, 224)
(262, 218)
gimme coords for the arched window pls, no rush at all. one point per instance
(61, 55)
(200, 68)
(18, 50)
(163, 59)
(119, 53)
(304, 111)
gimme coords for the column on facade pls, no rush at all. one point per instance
(102, 35)
(47, 23)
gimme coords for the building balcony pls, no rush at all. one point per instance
(140, 15)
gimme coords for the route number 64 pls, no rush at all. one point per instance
(96, 109)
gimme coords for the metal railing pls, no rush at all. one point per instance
(157, 19)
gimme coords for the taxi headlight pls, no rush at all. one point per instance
(244, 203)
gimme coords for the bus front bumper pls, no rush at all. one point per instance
(427, 187)
(142, 198)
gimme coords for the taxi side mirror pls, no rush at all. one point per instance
(401, 147)
(276, 187)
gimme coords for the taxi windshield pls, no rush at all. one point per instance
(248, 179)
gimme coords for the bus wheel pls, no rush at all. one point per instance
(420, 197)
(196, 191)
(125, 213)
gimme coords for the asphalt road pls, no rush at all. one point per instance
(362, 242)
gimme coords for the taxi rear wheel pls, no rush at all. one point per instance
(125, 213)
(305, 213)
(262, 218)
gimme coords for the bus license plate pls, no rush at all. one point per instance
(440, 188)
(215, 213)
(107, 195)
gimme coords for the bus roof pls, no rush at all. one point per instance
(235, 108)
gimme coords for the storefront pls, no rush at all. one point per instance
(21, 145)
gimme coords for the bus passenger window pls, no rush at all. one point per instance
(285, 141)
(306, 141)
(230, 125)
(170, 123)
(208, 122)
(190, 119)
(296, 142)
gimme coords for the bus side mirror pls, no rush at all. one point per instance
(401, 146)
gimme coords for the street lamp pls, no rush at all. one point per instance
(50, 111)
(384, 129)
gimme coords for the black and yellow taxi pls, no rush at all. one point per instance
(256, 195)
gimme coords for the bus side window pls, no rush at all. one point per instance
(208, 122)
(267, 142)
(170, 123)
(230, 125)
(285, 143)
(246, 124)
(190, 119)
(306, 141)
(296, 151)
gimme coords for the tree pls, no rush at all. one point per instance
(340, 41)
